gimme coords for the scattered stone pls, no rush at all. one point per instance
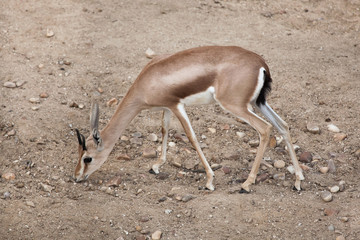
(272, 143)
(46, 188)
(341, 237)
(262, 177)
(34, 100)
(279, 176)
(8, 176)
(341, 185)
(73, 105)
(138, 228)
(144, 219)
(212, 130)
(324, 169)
(81, 106)
(344, 219)
(187, 198)
(291, 169)
(334, 189)
(279, 140)
(339, 137)
(331, 228)
(30, 204)
(136, 140)
(124, 138)
(311, 127)
(114, 182)
(43, 95)
(254, 143)
(168, 211)
(152, 137)
(40, 65)
(181, 137)
(181, 174)
(149, 153)
(137, 134)
(326, 196)
(304, 167)
(306, 157)
(19, 83)
(172, 144)
(226, 127)
(162, 175)
(226, 170)
(112, 102)
(279, 164)
(240, 134)
(331, 166)
(176, 164)
(330, 211)
(215, 166)
(19, 185)
(156, 235)
(10, 85)
(11, 133)
(124, 157)
(7, 195)
(333, 128)
(49, 33)
(149, 53)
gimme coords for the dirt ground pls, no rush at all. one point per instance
(73, 50)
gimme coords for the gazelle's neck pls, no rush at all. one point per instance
(125, 113)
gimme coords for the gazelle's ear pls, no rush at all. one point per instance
(81, 139)
(94, 126)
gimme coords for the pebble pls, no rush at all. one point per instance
(324, 169)
(19, 83)
(226, 127)
(187, 198)
(114, 182)
(176, 164)
(331, 227)
(212, 130)
(240, 134)
(30, 204)
(344, 219)
(162, 175)
(272, 142)
(181, 137)
(11, 133)
(339, 137)
(334, 189)
(73, 105)
(254, 143)
(43, 95)
(226, 170)
(149, 153)
(172, 144)
(215, 166)
(168, 211)
(279, 176)
(304, 167)
(331, 166)
(311, 127)
(306, 157)
(34, 100)
(81, 106)
(8, 176)
(279, 164)
(124, 138)
(291, 169)
(341, 237)
(262, 177)
(7, 195)
(124, 157)
(49, 33)
(156, 235)
(35, 108)
(46, 188)
(330, 211)
(19, 185)
(333, 128)
(152, 137)
(149, 53)
(137, 134)
(9, 85)
(326, 196)
(138, 228)
(341, 185)
(136, 141)
(112, 102)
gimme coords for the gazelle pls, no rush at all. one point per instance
(233, 77)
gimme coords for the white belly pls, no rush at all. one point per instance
(205, 97)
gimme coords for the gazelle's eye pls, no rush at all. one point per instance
(87, 160)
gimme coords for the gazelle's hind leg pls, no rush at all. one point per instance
(180, 113)
(283, 128)
(165, 133)
(263, 128)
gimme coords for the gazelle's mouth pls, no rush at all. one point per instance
(81, 179)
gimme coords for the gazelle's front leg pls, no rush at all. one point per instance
(165, 122)
(180, 113)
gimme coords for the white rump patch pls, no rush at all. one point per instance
(259, 85)
(205, 97)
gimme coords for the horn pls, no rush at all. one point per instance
(81, 139)
(94, 125)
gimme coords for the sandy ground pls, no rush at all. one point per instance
(69, 49)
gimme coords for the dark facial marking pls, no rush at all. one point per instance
(87, 160)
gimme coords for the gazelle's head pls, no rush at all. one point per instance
(91, 154)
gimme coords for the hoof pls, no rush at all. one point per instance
(151, 171)
(296, 189)
(241, 191)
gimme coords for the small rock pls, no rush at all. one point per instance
(306, 157)
(176, 164)
(11, 133)
(279, 176)
(8, 176)
(330, 211)
(30, 204)
(240, 134)
(156, 235)
(172, 144)
(124, 157)
(19, 185)
(49, 33)
(331, 228)
(272, 143)
(324, 169)
(311, 127)
(112, 102)
(7, 195)
(149, 153)
(138, 228)
(46, 188)
(149, 53)
(187, 198)
(136, 140)
(124, 138)
(226, 170)
(304, 167)
(114, 182)
(333, 128)
(331, 166)
(344, 219)
(137, 134)
(326, 196)
(339, 137)
(43, 95)
(215, 166)
(34, 100)
(81, 106)
(19, 83)
(10, 85)
(341, 186)
(254, 143)
(334, 189)
(262, 177)
(152, 137)
(162, 175)
(291, 169)
(212, 130)
(168, 211)
(73, 105)
(226, 127)
(341, 237)
(279, 164)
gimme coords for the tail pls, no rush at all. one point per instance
(261, 100)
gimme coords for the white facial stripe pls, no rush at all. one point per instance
(259, 84)
(205, 97)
